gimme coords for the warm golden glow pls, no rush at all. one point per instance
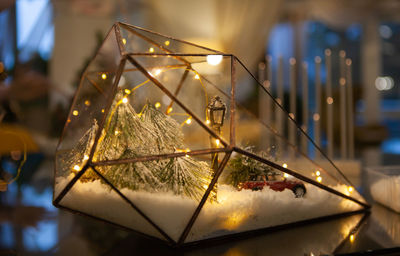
(350, 188)
(123, 40)
(166, 43)
(104, 76)
(102, 110)
(197, 76)
(207, 121)
(157, 105)
(235, 220)
(351, 238)
(189, 120)
(217, 142)
(319, 179)
(151, 49)
(318, 173)
(85, 157)
(169, 110)
(127, 91)
(77, 168)
(329, 100)
(124, 100)
(284, 165)
(87, 102)
(187, 155)
(116, 132)
(75, 112)
(214, 60)
(286, 175)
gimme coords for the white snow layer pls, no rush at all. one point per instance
(235, 211)
(387, 192)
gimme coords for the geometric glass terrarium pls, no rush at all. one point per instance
(164, 137)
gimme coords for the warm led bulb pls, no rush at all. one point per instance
(169, 110)
(85, 157)
(318, 173)
(166, 43)
(157, 72)
(77, 168)
(87, 102)
(104, 76)
(286, 175)
(217, 142)
(157, 105)
(284, 165)
(123, 40)
(197, 76)
(189, 120)
(116, 132)
(351, 238)
(319, 179)
(127, 91)
(151, 49)
(350, 188)
(207, 121)
(124, 100)
(214, 60)
(75, 112)
(102, 110)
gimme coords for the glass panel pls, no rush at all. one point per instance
(271, 130)
(88, 106)
(167, 190)
(91, 195)
(138, 40)
(252, 195)
(142, 122)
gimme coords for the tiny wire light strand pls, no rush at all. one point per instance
(184, 122)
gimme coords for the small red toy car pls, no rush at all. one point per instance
(274, 181)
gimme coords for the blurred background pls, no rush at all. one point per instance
(46, 44)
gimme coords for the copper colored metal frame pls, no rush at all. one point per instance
(228, 146)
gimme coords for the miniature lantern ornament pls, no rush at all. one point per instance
(131, 158)
(216, 111)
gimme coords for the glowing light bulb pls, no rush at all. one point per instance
(319, 179)
(166, 43)
(207, 121)
(87, 102)
(318, 173)
(123, 40)
(104, 76)
(169, 110)
(116, 132)
(77, 168)
(157, 105)
(329, 100)
(75, 112)
(127, 91)
(197, 76)
(85, 157)
(189, 120)
(351, 238)
(187, 155)
(284, 165)
(214, 60)
(151, 49)
(124, 100)
(286, 175)
(102, 110)
(157, 72)
(217, 142)
(350, 188)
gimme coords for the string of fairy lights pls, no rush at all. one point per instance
(213, 60)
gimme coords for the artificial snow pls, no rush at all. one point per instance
(387, 192)
(235, 211)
